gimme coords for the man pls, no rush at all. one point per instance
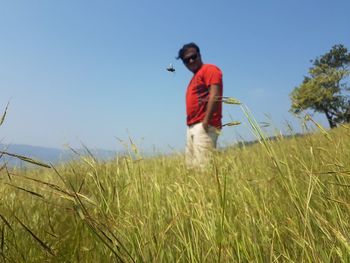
(203, 106)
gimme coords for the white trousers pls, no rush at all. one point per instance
(200, 144)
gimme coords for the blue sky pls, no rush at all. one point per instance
(93, 71)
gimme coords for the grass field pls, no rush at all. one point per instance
(285, 200)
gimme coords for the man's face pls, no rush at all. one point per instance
(192, 60)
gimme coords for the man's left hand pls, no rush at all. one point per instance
(205, 125)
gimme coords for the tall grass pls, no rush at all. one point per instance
(285, 200)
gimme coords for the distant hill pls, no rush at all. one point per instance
(49, 155)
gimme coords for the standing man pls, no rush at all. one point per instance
(203, 106)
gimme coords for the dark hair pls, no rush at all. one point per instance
(185, 48)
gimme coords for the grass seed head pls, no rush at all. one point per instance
(233, 123)
(230, 100)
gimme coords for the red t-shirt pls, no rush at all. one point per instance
(197, 95)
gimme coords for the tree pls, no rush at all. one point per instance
(325, 90)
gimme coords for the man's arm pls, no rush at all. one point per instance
(213, 101)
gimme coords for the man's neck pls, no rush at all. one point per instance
(198, 69)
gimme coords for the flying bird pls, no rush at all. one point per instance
(170, 68)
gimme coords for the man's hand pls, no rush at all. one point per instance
(205, 125)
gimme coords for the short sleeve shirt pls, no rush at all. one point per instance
(197, 95)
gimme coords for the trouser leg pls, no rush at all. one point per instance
(204, 142)
(189, 154)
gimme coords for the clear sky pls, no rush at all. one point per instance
(90, 71)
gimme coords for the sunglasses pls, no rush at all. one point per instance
(193, 57)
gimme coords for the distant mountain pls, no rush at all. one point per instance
(49, 155)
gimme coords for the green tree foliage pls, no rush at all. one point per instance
(326, 89)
